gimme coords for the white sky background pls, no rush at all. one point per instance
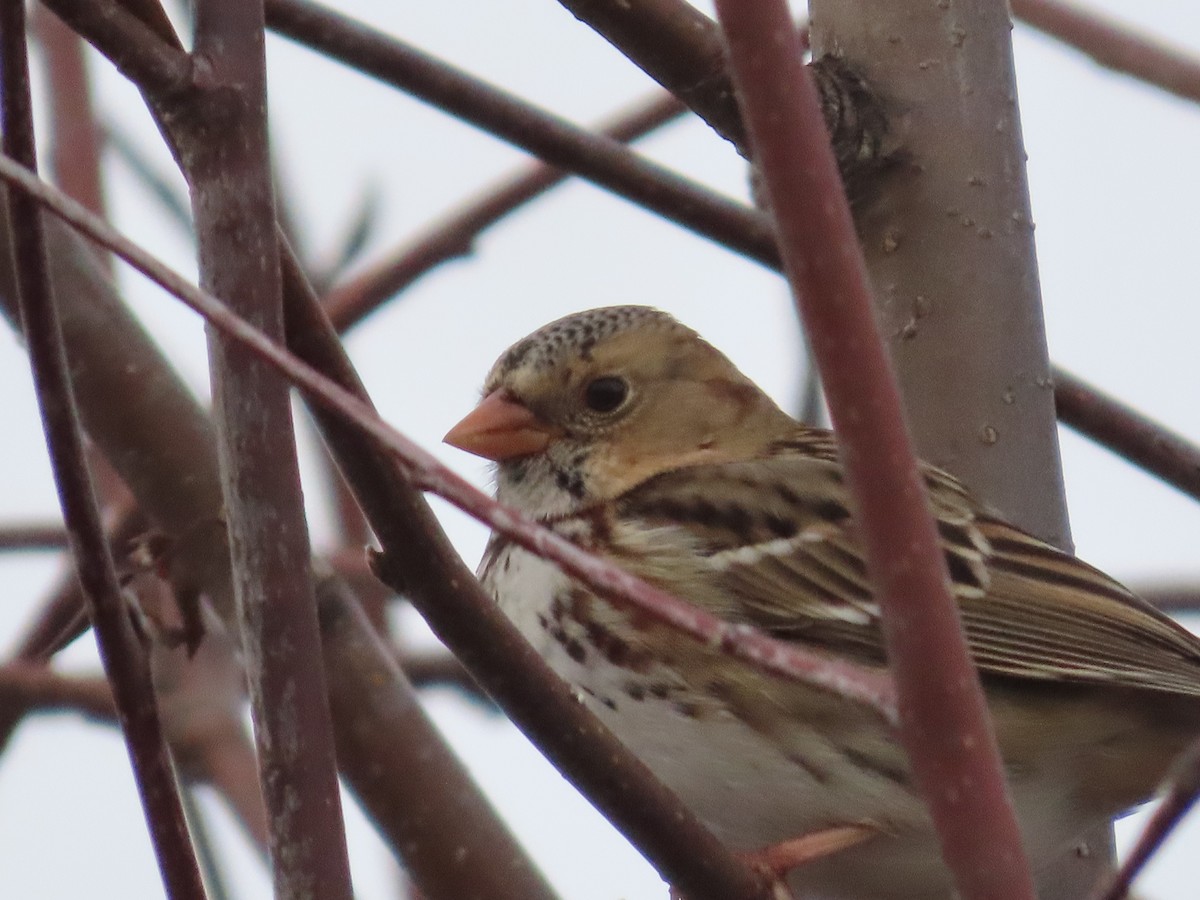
(1115, 194)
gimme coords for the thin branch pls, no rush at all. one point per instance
(944, 722)
(1179, 800)
(438, 668)
(33, 687)
(77, 141)
(455, 236)
(676, 45)
(33, 537)
(603, 161)
(125, 661)
(1128, 433)
(349, 560)
(1115, 45)
(223, 147)
(76, 145)
(1171, 597)
(141, 53)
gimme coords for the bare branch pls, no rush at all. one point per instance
(222, 144)
(1171, 597)
(124, 659)
(32, 687)
(1115, 45)
(77, 141)
(679, 47)
(1128, 433)
(140, 52)
(33, 537)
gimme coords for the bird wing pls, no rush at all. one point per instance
(772, 542)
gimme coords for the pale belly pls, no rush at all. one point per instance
(750, 789)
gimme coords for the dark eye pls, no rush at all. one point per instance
(605, 394)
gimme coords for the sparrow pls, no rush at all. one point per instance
(625, 432)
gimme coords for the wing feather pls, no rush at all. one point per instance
(794, 567)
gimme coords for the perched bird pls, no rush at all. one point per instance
(624, 431)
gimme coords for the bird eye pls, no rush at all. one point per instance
(605, 394)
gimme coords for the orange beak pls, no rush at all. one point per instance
(500, 428)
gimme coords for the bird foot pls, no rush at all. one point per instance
(776, 861)
(781, 858)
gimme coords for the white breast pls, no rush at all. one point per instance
(747, 787)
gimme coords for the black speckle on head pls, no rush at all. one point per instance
(517, 353)
(609, 702)
(575, 335)
(635, 690)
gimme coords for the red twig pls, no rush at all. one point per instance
(865, 685)
(1115, 45)
(125, 661)
(944, 722)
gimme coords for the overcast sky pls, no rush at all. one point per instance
(1115, 192)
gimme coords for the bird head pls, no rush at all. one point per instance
(591, 405)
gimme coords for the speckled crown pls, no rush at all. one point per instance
(578, 333)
